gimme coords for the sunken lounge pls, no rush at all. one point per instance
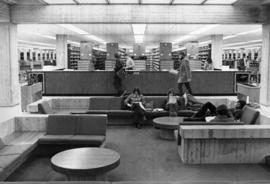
(134, 91)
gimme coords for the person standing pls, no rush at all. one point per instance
(183, 74)
(130, 65)
(118, 74)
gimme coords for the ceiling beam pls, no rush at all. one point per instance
(126, 14)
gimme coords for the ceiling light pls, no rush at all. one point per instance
(92, 1)
(124, 1)
(72, 42)
(41, 35)
(59, 1)
(138, 29)
(156, 1)
(242, 33)
(242, 43)
(188, 1)
(95, 38)
(183, 38)
(74, 29)
(220, 1)
(138, 38)
(203, 29)
(35, 43)
(205, 42)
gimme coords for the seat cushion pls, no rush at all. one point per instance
(16, 149)
(45, 108)
(55, 139)
(91, 124)
(185, 113)
(97, 112)
(120, 113)
(158, 101)
(8, 161)
(105, 103)
(62, 124)
(249, 115)
(90, 140)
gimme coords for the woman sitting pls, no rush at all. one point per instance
(172, 103)
(135, 101)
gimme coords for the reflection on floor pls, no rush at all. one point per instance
(146, 157)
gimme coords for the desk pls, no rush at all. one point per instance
(167, 126)
(83, 164)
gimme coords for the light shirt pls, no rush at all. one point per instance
(130, 63)
(172, 99)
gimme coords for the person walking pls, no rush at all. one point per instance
(118, 74)
(183, 74)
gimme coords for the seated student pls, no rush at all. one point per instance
(208, 109)
(135, 101)
(223, 114)
(172, 103)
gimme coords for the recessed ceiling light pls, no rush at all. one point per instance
(188, 1)
(138, 29)
(220, 1)
(156, 1)
(92, 1)
(59, 1)
(124, 1)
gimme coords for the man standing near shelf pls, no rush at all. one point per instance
(129, 63)
(183, 74)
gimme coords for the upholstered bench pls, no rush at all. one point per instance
(80, 129)
(15, 149)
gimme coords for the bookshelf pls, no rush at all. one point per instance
(204, 52)
(155, 59)
(73, 57)
(100, 59)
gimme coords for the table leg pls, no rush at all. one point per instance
(167, 134)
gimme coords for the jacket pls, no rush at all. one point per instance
(184, 73)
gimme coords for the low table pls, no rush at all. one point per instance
(85, 164)
(167, 126)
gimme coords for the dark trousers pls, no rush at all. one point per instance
(139, 113)
(117, 83)
(204, 110)
(180, 88)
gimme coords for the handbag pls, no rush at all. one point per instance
(121, 73)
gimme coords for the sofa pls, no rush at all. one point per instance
(87, 130)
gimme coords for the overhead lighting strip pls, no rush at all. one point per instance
(82, 32)
(242, 33)
(138, 31)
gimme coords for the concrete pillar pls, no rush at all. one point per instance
(61, 51)
(265, 67)
(216, 53)
(9, 68)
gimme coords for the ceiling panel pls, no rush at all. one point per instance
(59, 1)
(220, 1)
(156, 1)
(124, 1)
(188, 1)
(92, 1)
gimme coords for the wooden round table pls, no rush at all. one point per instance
(167, 126)
(83, 164)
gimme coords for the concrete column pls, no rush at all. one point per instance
(216, 53)
(9, 68)
(265, 67)
(61, 51)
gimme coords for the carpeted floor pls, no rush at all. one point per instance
(146, 157)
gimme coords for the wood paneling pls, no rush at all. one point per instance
(4, 12)
(211, 14)
(201, 144)
(151, 83)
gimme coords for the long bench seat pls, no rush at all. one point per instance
(15, 149)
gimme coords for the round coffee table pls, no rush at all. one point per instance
(167, 126)
(84, 164)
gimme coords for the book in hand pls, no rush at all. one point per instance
(174, 72)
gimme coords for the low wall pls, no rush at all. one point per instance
(224, 144)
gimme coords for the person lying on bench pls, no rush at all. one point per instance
(135, 101)
(208, 109)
